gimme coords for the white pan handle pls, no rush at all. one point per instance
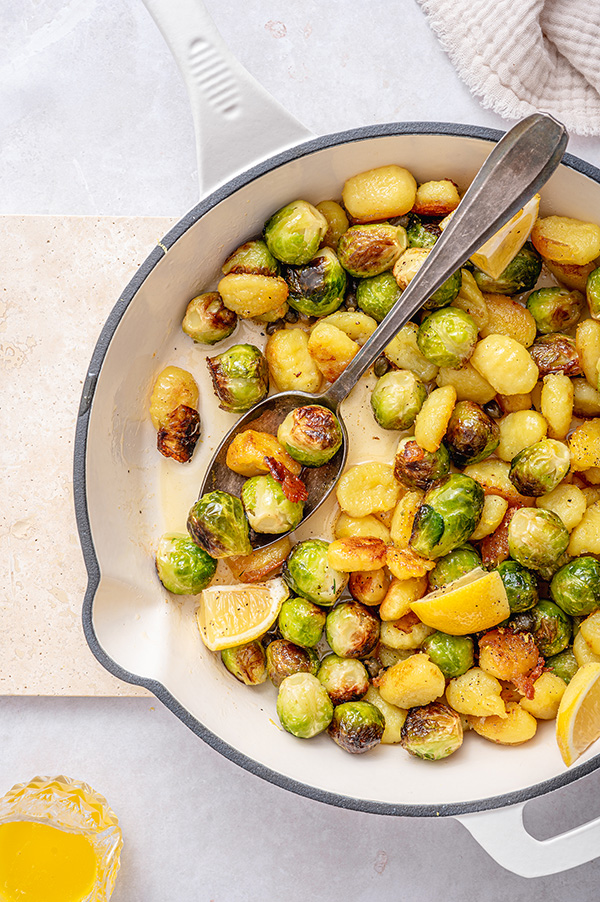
(502, 834)
(237, 122)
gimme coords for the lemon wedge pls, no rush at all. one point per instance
(233, 615)
(475, 602)
(578, 718)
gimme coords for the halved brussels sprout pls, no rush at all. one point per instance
(416, 468)
(317, 287)
(432, 731)
(308, 573)
(520, 275)
(553, 629)
(556, 353)
(453, 565)
(240, 377)
(555, 309)
(422, 234)
(311, 435)
(303, 706)
(179, 433)
(369, 249)
(218, 524)
(397, 398)
(448, 515)
(247, 663)
(207, 320)
(592, 291)
(376, 296)
(352, 630)
(538, 469)
(357, 726)
(564, 664)
(252, 257)
(537, 539)
(576, 586)
(520, 585)
(447, 337)
(454, 655)
(267, 507)
(182, 566)
(346, 679)
(294, 233)
(471, 435)
(301, 621)
(285, 658)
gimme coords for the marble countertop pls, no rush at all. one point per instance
(94, 120)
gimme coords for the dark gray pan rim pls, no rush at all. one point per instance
(80, 494)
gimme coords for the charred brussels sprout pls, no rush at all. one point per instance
(240, 377)
(554, 309)
(592, 291)
(432, 732)
(564, 665)
(422, 234)
(182, 566)
(218, 524)
(207, 320)
(520, 275)
(556, 353)
(471, 435)
(537, 539)
(308, 573)
(301, 621)
(454, 655)
(253, 257)
(397, 398)
(376, 296)
(418, 469)
(367, 250)
(294, 233)
(447, 337)
(178, 433)
(520, 586)
(267, 508)
(311, 435)
(303, 706)
(448, 515)
(454, 565)
(285, 658)
(317, 288)
(576, 586)
(357, 726)
(538, 469)
(553, 629)
(352, 630)
(346, 679)
(247, 663)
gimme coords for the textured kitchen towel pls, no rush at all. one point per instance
(525, 55)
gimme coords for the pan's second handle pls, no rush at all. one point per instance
(502, 834)
(237, 122)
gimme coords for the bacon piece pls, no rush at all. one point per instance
(292, 486)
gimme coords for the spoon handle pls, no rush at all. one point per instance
(514, 171)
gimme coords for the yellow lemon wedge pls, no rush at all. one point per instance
(233, 615)
(475, 602)
(578, 718)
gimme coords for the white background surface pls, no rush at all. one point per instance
(94, 120)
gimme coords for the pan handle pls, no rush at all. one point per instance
(502, 834)
(237, 122)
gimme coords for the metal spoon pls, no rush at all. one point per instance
(514, 171)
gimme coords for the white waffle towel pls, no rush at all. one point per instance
(525, 55)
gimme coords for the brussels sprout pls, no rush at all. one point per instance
(446, 293)
(301, 621)
(218, 524)
(447, 337)
(521, 622)
(432, 731)
(303, 706)
(346, 679)
(553, 629)
(317, 287)
(285, 658)
(454, 565)
(537, 539)
(422, 234)
(592, 291)
(539, 468)
(240, 377)
(312, 435)
(397, 398)
(372, 248)
(253, 257)
(520, 275)
(576, 586)
(267, 508)
(471, 435)
(556, 353)
(294, 233)
(418, 469)
(182, 566)
(564, 664)
(520, 586)
(554, 309)
(207, 320)
(308, 574)
(454, 655)
(352, 630)
(356, 726)
(376, 296)
(178, 433)
(448, 515)
(248, 663)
